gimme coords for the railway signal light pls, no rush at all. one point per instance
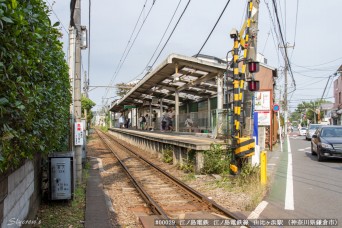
(253, 85)
(253, 67)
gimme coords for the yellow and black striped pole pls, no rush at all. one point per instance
(236, 108)
(241, 147)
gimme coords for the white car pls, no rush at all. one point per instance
(311, 130)
(302, 131)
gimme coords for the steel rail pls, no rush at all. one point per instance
(195, 193)
(147, 198)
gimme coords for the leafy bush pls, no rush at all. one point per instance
(168, 155)
(34, 83)
(216, 160)
(188, 164)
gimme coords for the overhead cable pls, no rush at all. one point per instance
(174, 28)
(161, 39)
(57, 17)
(205, 42)
(283, 41)
(124, 52)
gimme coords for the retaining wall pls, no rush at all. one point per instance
(20, 195)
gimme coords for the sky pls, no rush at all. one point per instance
(310, 28)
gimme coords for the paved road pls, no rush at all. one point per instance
(317, 187)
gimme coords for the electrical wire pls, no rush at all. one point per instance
(331, 77)
(321, 63)
(124, 52)
(121, 62)
(136, 36)
(174, 28)
(283, 41)
(57, 17)
(268, 35)
(309, 75)
(331, 83)
(174, 13)
(294, 40)
(275, 35)
(212, 30)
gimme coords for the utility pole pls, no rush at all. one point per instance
(77, 96)
(285, 89)
(251, 56)
(72, 50)
(85, 89)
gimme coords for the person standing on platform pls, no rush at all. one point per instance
(170, 118)
(127, 122)
(121, 121)
(147, 122)
(163, 121)
(154, 119)
(142, 122)
(189, 123)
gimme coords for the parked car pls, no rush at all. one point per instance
(302, 131)
(311, 130)
(326, 142)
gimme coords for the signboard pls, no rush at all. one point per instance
(262, 137)
(129, 106)
(276, 107)
(78, 133)
(262, 101)
(264, 118)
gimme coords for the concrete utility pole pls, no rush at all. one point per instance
(72, 49)
(251, 56)
(77, 96)
(285, 90)
(85, 88)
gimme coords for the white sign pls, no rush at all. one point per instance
(264, 118)
(261, 137)
(263, 100)
(78, 134)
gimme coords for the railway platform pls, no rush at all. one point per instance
(181, 143)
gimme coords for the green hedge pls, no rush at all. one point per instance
(34, 83)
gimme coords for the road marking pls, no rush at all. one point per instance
(289, 204)
(258, 210)
(301, 149)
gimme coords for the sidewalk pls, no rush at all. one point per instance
(97, 214)
(273, 158)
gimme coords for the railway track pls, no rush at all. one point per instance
(168, 197)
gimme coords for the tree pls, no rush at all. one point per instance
(123, 88)
(308, 111)
(87, 104)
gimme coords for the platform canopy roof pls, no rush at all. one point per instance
(193, 78)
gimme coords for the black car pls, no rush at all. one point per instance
(326, 142)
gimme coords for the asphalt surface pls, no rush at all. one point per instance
(317, 186)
